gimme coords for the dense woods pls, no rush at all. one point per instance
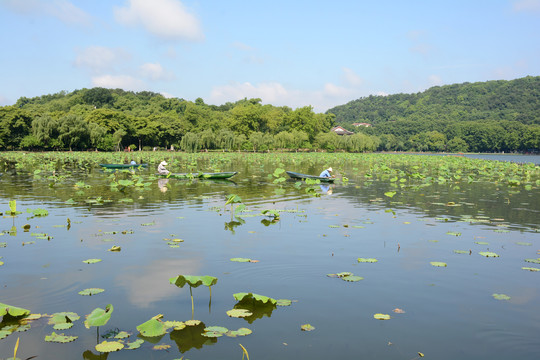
(491, 116)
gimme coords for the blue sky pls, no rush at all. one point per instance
(293, 52)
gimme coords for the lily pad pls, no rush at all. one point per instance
(12, 310)
(307, 327)
(461, 251)
(161, 347)
(367, 260)
(63, 326)
(59, 338)
(109, 346)
(91, 291)
(175, 325)
(240, 260)
(240, 332)
(283, 302)
(352, 278)
(438, 263)
(153, 327)
(98, 316)
(122, 335)
(239, 313)
(488, 254)
(534, 261)
(453, 233)
(501, 296)
(530, 269)
(63, 317)
(134, 345)
(379, 316)
(115, 248)
(340, 275)
(91, 261)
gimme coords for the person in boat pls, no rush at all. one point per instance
(326, 173)
(161, 168)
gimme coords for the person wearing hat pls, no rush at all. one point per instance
(161, 168)
(326, 173)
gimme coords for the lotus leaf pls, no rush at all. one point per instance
(122, 335)
(63, 326)
(91, 261)
(60, 338)
(307, 327)
(239, 313)
(530, 268)
(241, 260)
(461, 251)
(109, 346)
(98, 316)
(481, 243)
(438, 264)
(254, 297)
(63, 317)
(153, 327)
(454, 233)
(341, 274)
(352, 278)
(161, 347)
(523, 243)
(192, 322)
(390, 194)
(134, 345)
(501, 296)
(4, 333)
(193, 281)
(240, 332)
(91, 291)
(534, 261)
(175, 325)
(488, 254)
(284, 302)
(219, 329)
(12, 310)
(367, 260)
(212, 334)
(115, 248)
(381, 316)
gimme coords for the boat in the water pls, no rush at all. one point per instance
(122, 166)
(216, 175)
(295, 175)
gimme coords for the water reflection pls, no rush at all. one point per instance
(162, 184)
(191, 337)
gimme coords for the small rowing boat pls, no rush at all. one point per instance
(122, 166)
(295, 175)
(218, 175)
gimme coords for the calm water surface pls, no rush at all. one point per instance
(449, 312)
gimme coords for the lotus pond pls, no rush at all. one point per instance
(403, 257)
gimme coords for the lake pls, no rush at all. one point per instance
(455, 243)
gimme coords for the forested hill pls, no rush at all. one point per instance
(515, 100)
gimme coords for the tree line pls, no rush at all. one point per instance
(490, 116)
(454, 118)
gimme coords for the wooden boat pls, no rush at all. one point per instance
(122, 166)
(295, 175)
(218, 175)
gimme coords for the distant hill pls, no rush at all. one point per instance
(513, 100)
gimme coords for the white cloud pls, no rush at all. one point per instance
(278, 95)
(4, 100)
(435, 80)
(99, 58)
(168, 19)
(351, 78)
(241, 46)
(155, 72)
(63, 10)
(527, 5)
(125, 82)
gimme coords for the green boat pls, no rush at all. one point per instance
(122, 166)
(295, 175)
(218, 175)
